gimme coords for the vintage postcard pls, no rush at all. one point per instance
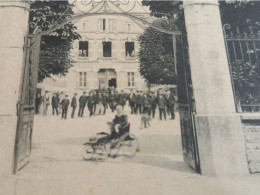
(129, 97)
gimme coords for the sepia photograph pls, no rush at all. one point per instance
(129, 97)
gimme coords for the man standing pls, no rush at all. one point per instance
(46, 103)
(38, 102)
(162, 105)
(132, 101)
(146, 104)
(73, 105)
(61, 96)
(139, 102)
(64, 105)
(121, 99)
(113, 100)
(82, 104)
(91, 103)
(105, 101)
(95, 98)
(99, 103)
(170, 104)
(55, 104)
(153, 103)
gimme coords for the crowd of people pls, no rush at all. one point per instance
(98, 101)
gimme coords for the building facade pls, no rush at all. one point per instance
(106, 54)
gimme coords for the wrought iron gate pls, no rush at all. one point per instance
(26, 102)
(243, 52)
(186, 104)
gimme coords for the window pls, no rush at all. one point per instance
(129, 49)
(104, 24)
(83, 48)
(107, 49)
(84, 26)
(112, 25)
(82, 79)
(131, 79)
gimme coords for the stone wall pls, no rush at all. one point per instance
(251, 129)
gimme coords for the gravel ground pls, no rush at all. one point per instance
(57, 167)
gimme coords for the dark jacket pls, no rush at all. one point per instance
(99, 99)
(65, 103)
(55, 101)
(91, 100)
(131, 98)
(122, 120)
(146, 102)
(38, 99)
(161, 102)
(74, 102)
(83, 100)
(170, 100)
(121, 99)
(105, 100)
(139, 99)
(113, 97)
(154, 101)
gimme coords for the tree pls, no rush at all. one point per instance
(156, 48)
(156, 54)
(241, 13)
(55, 47)
(170, 9)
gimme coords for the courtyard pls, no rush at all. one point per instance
(57, 167)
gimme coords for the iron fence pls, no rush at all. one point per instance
(243, 52)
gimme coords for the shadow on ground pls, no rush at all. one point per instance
(162, 151)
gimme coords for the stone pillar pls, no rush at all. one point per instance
(13, 28)
(219, 130)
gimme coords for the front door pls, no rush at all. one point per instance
(26, 102)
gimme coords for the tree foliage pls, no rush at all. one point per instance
(156, 48)
(156, 54)
(170, 9)
(241, 13)
(55, 47)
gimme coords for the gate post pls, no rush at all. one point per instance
(219, 131)
(13, 28)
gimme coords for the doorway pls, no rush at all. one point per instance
(112, 82)
(107, 78)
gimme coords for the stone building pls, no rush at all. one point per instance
(106, 54)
